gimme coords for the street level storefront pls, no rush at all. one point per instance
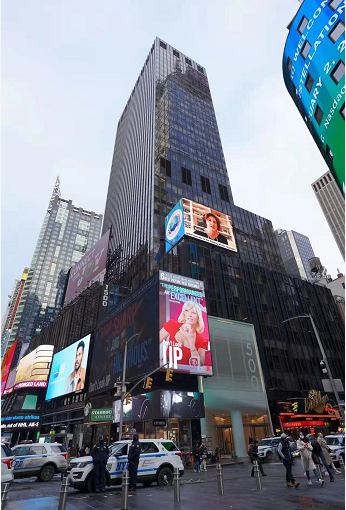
(20, 426)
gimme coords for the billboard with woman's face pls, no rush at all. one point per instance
(199, 221)
(184, 333)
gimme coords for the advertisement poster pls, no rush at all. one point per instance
(89, 269)
(12, 375)
(184, 333)
(199, 221)
(135, 322)
(161, 404)
(69, 369)
(6, 364)
(33, 369)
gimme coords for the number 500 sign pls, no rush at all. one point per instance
(252, 366)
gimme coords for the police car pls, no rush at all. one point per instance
(158, 459)
(39, 459)
(336, 443)
(267, 448)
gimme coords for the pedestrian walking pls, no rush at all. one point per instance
(196, 458)
(326, 452)
(305, 449)
(253, 454)
(100, 454)
(285, 455)
(203, 452)
(318, 453)
(82, 452)
(133, 458)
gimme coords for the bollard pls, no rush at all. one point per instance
(5, 487)
(220, 480)
(257, 475)
(125, 491)
(176, 476)
(341, 462)
(63, 493)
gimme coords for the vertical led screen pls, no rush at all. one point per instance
(12, 375)
(6, 365)
(89, 269)
(184, 333)
(69, 369)
(314, 74)
(199, 221)
(134, 321)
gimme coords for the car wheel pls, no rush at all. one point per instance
(47, 473)
(165, 477)
(269, 456)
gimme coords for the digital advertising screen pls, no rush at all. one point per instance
(199, 221)
(6, 365)
(134, 321)
(12, 374)
(184, 332)
(88, 269)
(68, 371)
(33, 369)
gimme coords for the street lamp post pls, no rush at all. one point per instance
(123, 388)
(324, 359)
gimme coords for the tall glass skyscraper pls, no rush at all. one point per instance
(67, 233)
(296, 250)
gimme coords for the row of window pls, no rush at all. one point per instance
(177, 54)
(186, 176)
(318, 185)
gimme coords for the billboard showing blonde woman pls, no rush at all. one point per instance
(184, 333)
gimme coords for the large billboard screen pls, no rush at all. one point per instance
(89, 269)
(184, 333)
(6, 364)
(135, 322)
(12, 375)
(33, 369)
(69, 369)
(199, 221)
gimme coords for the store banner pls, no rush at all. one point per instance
(101, 414)
(135, 322)
(20, 421)
(184, 333)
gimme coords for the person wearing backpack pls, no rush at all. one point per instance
(285, 456)
(317, 455)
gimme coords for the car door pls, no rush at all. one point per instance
(118, 463)
(36, 458)
(21, 453)
(150, 458)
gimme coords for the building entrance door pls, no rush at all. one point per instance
(225, 439)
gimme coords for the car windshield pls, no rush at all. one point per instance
(265, 442)
(115, 447)
(333, 441)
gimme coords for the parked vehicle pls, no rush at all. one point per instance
(6, 464)
(336, 443)
(267, 448)
(157, 461)
(39, 459)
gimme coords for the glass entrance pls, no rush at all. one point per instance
(225, 439)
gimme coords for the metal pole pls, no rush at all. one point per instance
(63, 493)
(331, 379)
(125, 491)
(5, 487)
(123, 391)
(257, 475)
(220, 480)
(176, 484)
(341, 462)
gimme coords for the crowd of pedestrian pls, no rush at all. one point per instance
(200, 455)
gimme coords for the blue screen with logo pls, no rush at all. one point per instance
(68, 372)
(174, 225)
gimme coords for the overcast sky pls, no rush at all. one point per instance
(68, 69)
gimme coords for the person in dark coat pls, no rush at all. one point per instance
(100, 454)
(133, 458)
(318, 457)
(253, 454)
(285, 455)
(82, 452)
(196, 458)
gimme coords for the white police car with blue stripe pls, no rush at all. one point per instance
(157, 461)
(336, 443)
(39, 459)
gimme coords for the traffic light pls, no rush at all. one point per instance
(169, 375)
(128, 399)
(295, 407)
(149, 383)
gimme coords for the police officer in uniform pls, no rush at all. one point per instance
(133, 458)
(100, 454)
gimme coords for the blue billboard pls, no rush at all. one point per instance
(174, 228)
(68, 372)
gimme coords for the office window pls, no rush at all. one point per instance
(325, 178)
(223, 193)
(334, 4)
(289, 64)
(188, 61)
(338, 72)
(342, 111)
(318, 115)
(301, 27)
(329, 177)
(186, 176)
(309, 82)
(315, 188)
(165, 167)
(200, 69)
(337, 31)
(205, 185)
(163, 45)
(305, 49)
(176, 53)
(329, 153)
